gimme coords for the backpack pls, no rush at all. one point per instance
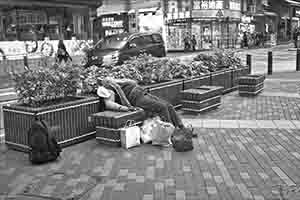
(44, 147)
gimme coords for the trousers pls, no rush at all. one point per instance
(162, 108)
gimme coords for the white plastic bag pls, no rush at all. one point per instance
(157, 131)
(147, 129)
(162, 134)
(130, 135)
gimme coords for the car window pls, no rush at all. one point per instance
(138, 41)
(148, 39)
(157, 38)
(111, 43)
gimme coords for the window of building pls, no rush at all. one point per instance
(235, 4)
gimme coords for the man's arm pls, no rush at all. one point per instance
(123, 80)
(111, 105)
(120, 91)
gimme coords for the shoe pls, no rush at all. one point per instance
(190, 129)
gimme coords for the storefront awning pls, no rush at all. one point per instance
(52, 3)
(265, 13)
(295, 3)
(153, 9)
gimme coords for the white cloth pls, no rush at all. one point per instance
(103, 92)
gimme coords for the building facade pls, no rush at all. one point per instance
(39, 20)
(115, 16)
(273, 17)
(214, 23)
(54, 19)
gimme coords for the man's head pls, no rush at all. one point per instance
(99, 81)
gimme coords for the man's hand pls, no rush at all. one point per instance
(131, 108)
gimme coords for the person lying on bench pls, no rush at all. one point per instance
(127, 95)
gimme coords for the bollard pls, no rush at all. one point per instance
(248, 63)
(270, 63)
(218, 41)
(298, 60)
(25, 59)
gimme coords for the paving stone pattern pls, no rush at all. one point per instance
(258, 108)
(277, 85)
(225, 164)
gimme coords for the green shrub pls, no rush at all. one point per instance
(146, 69)
(35, 87)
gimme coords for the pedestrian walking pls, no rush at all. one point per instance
(186, 41)
(245, 39)
(62, 53)
(194, 43)
(295, 37)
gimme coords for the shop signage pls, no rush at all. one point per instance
(220, 13)
(179, 21)
(111, 22)
(246, 19)
(17, 49)
(297, 12)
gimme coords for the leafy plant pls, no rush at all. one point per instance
(146, 69)
(35, 87)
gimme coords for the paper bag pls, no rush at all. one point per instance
(130, 136)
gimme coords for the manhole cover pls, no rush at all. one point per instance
(60, 186)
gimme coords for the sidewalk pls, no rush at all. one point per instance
(248, 148)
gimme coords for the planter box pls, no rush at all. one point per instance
(170, 91)
(251, 85)
(71, 120)
(236, 74)
(201, 99)
(251, 79)
(108, 136)
(114, 119)
(108, 124)
(222, 78)
(196, 82)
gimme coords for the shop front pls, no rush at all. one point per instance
(129, 16)
(210, 24)
(24, 28)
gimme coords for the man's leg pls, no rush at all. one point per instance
(161, 107)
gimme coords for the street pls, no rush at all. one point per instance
(246, 149)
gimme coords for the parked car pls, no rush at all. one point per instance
(118, 48)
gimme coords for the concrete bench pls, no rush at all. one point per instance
(108, 124)
(201, 99)
(251, 85)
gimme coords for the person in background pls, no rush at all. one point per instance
(295, 37)
(245, 39)
(194, 43)
(186, 41)
(62, 53)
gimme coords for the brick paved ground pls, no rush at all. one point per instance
(225, 164)
(242, 152)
